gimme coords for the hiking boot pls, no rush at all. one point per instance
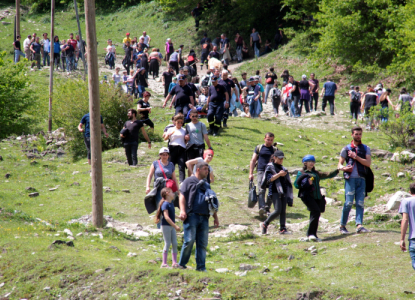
(216, 133)
(264, 228)
(283, 231)
(343, 230)
(361, 229)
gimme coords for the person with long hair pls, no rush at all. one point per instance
(192, 60)
(56, 52)
(384, 102)
(166, 214)
(308, 183)
(177, 145)
(270, 78)
(155, 63)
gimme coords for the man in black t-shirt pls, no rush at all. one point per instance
(205, 44)
(184, 97)
(17, 50)
(217, 102)
(295, 93)
(167, 78)
(129, 134)
(230, 87)
(214, 53)
(144, 108)
(262, 155)
(140, 82)
(128, 58)
(196, 12)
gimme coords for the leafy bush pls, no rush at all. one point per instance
(16, 97)
(71, 103)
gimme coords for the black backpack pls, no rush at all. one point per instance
(355, 96)
(205, 81)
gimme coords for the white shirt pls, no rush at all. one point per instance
(26, 43)
(116, 77)
(111, 48)
(177, 138)
(200, 159)
(146, 38)
(46, 45)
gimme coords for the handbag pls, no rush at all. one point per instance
(252, 196)
(170, 183)
(269, 80)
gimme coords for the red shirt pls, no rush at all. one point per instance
(74, 43)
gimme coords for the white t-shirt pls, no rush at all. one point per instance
(177, 138)
(26, 43)
(46, 45)
(111, 48)
(146, 38)
(200, 159)
(116, 77)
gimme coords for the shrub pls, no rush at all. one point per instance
(71, 103)
(16, 97)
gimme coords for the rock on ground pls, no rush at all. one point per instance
(395, 201)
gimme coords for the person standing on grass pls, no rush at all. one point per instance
(280, 190)
(328, 93)
(195, 213)
(26, 47)
(314, 92)
(87, 133)
(17, 50)
(407, 209)
(308, 183)
(262, 155)
(166, 214)
(36, 49)
(358, 159)
(196, 133)
(69, 53)
(218, 101)
(228, 84)
(167, 78)
(129, 134)
(46, 49)
(56, 52)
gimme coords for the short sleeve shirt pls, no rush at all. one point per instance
(144, 104)
(168, 77)
(126, 40)
(177, 138)
(85, 121)
(183, 94)
(168, 170)
(196, 133)
(408, 206)
(170, 209)
(263, 156)
(329, 88)
(228, 84)
(355, 173)
(133, 130)
(315, 82)
(214, 54)
(296, 84)
(255, 36)
(217, 93)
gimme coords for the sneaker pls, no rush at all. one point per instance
(164, 266)
(304, 239)
(361, 229)
(343, 230)
(181, 267)
(283, 231)
(225, 125)
(264, 228)
(312, 238)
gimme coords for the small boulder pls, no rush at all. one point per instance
(395, 201)
(29, 188)
(389, 179)
(125, 191)
(246, 267)
(131, 254)
(386, 174)
(400, 175)
(75, 183)
(35, 194)
(380, 153)
(403, 156)
(222, 270)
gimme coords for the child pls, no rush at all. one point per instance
(276, 98)
(173, 84)
(308, 183)
(166, 214)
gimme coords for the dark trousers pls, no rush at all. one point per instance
(354, 109)
(315, 213)
(214, 115)
(166, 88)
(184, 109)
(57, 60)
(36, 60)
(296, 99)
(330, 99)
(131, 153)
(178, 157)
(127, 64)
(195, 151)
(276, 104)
(87, 141)
(314, 98)
(148, 122)
(175, 66)
(280, 207)
(305, 103)
(197, 23)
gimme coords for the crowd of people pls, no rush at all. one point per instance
(218, 95)
(66, 53)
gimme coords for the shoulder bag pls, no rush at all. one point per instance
(170, 183)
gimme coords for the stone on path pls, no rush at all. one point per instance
(35, 194)
(400, 175)
(222, 270)
(403, 156)
(247, 267)
(395, 201)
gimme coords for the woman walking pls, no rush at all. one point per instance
(305, 92)
(308, 183)
(155, 63)
(270, 78)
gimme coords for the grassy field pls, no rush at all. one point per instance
(367, 266)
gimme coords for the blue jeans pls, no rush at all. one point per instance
(355, 188)
(256, 48)
(140, 90)
(411, 248)
(70, 63)
(268, 88)
(17, 54)
(195, 228)
(46, 57)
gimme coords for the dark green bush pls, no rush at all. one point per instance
(71, 103)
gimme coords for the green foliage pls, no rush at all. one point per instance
(72, 102)
(16, 97)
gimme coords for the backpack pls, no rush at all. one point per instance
(355, 96)
(205, 81)
(276, 93)
(258, 150)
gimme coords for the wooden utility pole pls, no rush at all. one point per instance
(80, 37)
(17, 18)
(52, 58)
(94, 115)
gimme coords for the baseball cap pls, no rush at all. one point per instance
(164, 150)
(251, 79)
(256, 77)
(181, 77)
(352, 87)
(279, 154)
(127, 33)
(304, 76)
(214, 78)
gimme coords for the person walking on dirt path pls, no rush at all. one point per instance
(206, 47)
(128, 58)
(196, 13)
(195, 213)
(144, 109)
(328, 93)
(111, 54)
(146, 39)
(167, 78)
(224, 49)
(129, 134)
(280, 191)
(218, 101)
(270, 78)
(174, 61)
(169, 50)
(139, 82)
(295, 95)
(308, 183)
(314, 92)
(255, 41)
(196, 133)
(230, 88)
(358, 159)
(214, 53)
(407, 209)
(239, 41)
(87, 133)
(369, 101)
(184, 97)
(126, 39)
(260, 158)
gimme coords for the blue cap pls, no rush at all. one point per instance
(309, 157)
(214, 78)
(181, 77)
